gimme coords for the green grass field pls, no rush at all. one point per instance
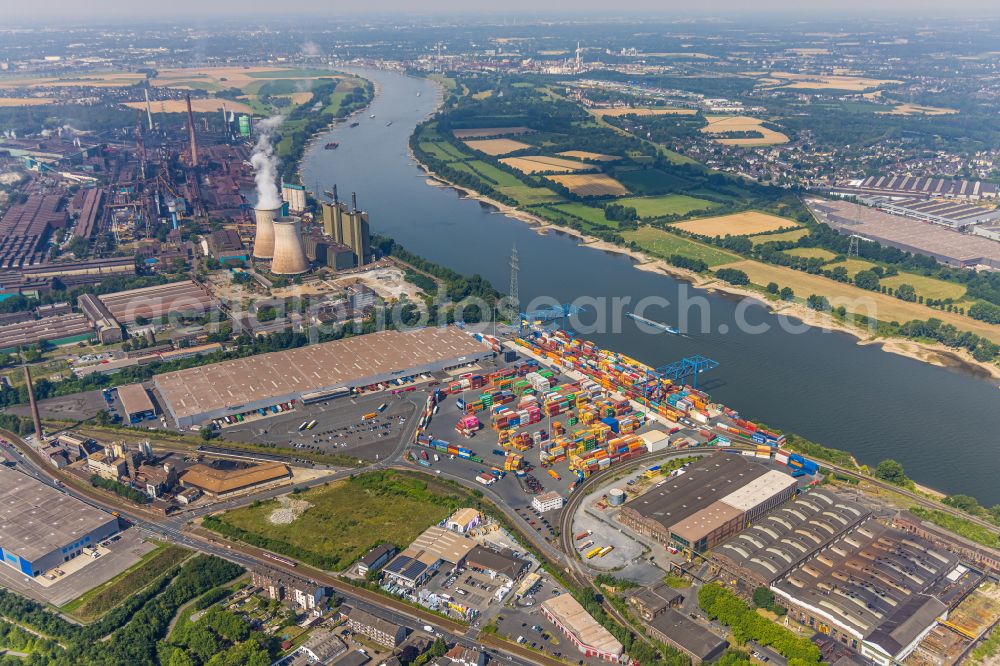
(663, 244)
(290, 74)
(336, 99)
(650, 181)
(928, 287)
(585, 212)
(791, 236)
(500, 178)
(349, 517)
(434, 148)
(669, 204)
(812, 252)
(96, 602)
(526, 195)
(853, 266)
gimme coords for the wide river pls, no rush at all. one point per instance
(942, 425)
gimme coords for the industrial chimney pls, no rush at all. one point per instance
(194, 142)
(289, 252)
(263, 237)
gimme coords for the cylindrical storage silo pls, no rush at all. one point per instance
(289, 251)
(263, 237)
(616, 497)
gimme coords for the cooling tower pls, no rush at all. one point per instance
(289, 252)
(263, 237)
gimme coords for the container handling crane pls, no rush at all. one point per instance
(551, 314)
(676, 373)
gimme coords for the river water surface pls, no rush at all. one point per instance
(942, 425)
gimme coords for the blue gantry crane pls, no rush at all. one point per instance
(676, 373)
(545, 315)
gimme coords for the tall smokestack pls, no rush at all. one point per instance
(354, 202)
(225, 120)
(289, 252)
(35, 418)
(149, 112)
(194, 142)
(335, 200)
(263, 237)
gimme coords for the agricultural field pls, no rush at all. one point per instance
(812, 253)
(590, 184)
(498, 177)
(642, 111)
(197, 105)
(218, 78)
(859, 301)
(927, 287)
(589, 213)
(853, 266)
(587, 155)
(782, 236)
(651, 181)
(99, 600)
(526, 195)
(541, 164)
(918, 110)
(25, 101)
(496, 146)
(95, 79)
(720, 124)
(823, 82)
(669, 204)
(345, 519)
(435, 149)
(663, 244)
(738, 224)
(484, 132)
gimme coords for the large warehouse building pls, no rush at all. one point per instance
(874, 588)
(40, 527)
(213, 391)
(714, 499)
(772, 546)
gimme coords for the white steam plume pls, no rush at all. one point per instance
(265, 164)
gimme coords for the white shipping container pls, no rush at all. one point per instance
(699, 417)
(781, 457)
(658, 445)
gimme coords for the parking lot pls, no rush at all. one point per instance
(127, 549)
(339, 426)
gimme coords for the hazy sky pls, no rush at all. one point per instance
(59, 10)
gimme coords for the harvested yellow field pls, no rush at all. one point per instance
(96, 79)
(497, 146)
(918, 110)
(812, 253)
(541, 164)
(197, 105)
(586, 155)
(25, 101)
(825, 82)
(738, 224)
(721, 124)
(486, 94)
(856, 300)
(590, 184)
(297, 97)
(642, 111)
(227, 77)
(481, 132)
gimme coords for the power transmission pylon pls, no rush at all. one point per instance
(515, 301)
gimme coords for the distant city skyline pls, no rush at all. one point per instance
(63, 10)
